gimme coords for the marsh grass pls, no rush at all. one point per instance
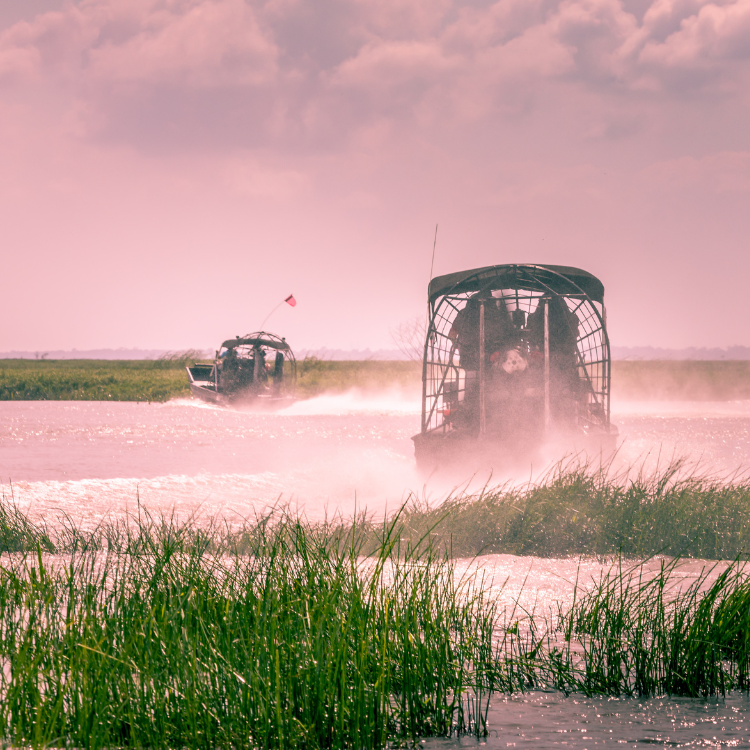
(93, 380)
(167, 637)
(584, 508)
(638, 633)
(147, 632)
(19, 533)
(165, 378)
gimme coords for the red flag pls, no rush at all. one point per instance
(290, 300)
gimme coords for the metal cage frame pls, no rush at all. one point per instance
(268, 342)
(526, 286)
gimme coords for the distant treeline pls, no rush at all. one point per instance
(165, 378)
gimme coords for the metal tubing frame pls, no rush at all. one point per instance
(442, 312)
(482, 372)
(546, 366)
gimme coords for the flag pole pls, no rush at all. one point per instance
(289, 300)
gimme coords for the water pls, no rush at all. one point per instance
(551, 720)
(91, 460)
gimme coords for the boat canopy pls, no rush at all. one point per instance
(564, 280)
(254, 341)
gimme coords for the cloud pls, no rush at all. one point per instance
(180, 42)
(229, 74)
(192, 44)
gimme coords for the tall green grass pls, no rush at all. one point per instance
(582, 508)
(642, 634)
(162, 379)
(153, 633)
(168, 637)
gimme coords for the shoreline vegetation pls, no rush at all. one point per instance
(581, 508)
(165, 378)
(150, 632)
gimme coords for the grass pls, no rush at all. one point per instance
(585, 509)
(164, 635)
(93, 380)
(638, 634)
(160, 380)
(153, 633)
(164, 379)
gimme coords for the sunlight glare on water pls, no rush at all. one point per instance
(325, 455)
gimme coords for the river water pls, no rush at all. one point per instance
(335, 454)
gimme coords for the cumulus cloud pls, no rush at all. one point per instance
(208, 44)
(249, 73)
(715, 33)
(183, 42)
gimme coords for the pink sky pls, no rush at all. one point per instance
(171, 169)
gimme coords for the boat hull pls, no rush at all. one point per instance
(466, 454)
(246, 399)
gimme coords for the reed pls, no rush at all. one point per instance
(168, 637)
(165, 378)
(152, 633)
(583, 508)
(637, 633)
(690, 380)
(18, 532)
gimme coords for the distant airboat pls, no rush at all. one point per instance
(258, 369)
(515, 355)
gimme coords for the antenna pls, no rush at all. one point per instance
(289, 300)
(270, 314)
(432, 266)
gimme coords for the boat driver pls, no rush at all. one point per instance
(230, 360)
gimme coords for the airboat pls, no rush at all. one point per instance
(516, 356)
(258, 369)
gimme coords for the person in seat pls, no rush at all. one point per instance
(499, 333)
(563, 358)
(229, 370)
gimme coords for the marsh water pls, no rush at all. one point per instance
(335, 454)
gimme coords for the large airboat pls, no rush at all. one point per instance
(516, 357)
(258, 369)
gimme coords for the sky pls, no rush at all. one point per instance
(172, 169)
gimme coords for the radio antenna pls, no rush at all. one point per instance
(434, 243)
(289, 300)
(432, 267)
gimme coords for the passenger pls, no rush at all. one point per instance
(563, 328)
(563, 337)
(515, 396)
(230, 359)
(498, 333)
(498, 330)
(229, 370)
(260, 374)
